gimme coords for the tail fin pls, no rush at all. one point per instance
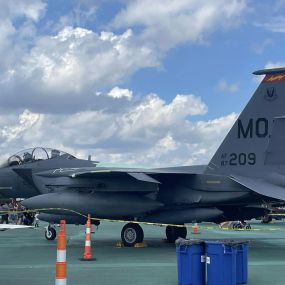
(247, 144)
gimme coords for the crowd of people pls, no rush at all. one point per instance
(14, 213)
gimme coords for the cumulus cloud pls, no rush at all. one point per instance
(17, 28)
(75, 62)
(25, 121)
(76, 58)
(117, 92)
(151, 132)
(167, 23)
(63, 71)
(49, 82)
(224, 86)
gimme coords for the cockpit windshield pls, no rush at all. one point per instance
(36, 154)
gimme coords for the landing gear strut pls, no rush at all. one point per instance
(131, 234)
(173, 233)
(50, 232)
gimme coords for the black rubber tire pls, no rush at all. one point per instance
(248, 227)
(173, 233)
(131, 234)
(266, 219)
(50, 233)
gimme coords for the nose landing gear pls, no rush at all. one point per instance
(50, 232)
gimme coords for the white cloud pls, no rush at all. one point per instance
(75, 63)
(78, 58)
(224, 86)
(162, 147)
(215, 127)
(30, 10)
(17, 27)
(166, 23)
(50, 82)
(117, 92)
(272, 64)
(150, 132)
(25, 121)
(152, 115)
(275, 24)
(69, 67)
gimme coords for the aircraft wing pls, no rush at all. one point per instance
(4, 227)
(261, 186)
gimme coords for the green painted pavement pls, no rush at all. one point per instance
(27, 258)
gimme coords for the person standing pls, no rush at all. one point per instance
(5, 216)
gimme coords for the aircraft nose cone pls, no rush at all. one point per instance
(33, 203)
(45, 201)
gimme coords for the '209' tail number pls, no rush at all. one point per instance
(234, 159)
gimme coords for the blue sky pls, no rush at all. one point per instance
(148, 82)
(228, 55)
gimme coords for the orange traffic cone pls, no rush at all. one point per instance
(60, 275)
(87, 256)
(195, 229)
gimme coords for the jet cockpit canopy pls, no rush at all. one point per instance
(36, 154)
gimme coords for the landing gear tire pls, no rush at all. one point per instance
(248, 227)
(266, 219)
(132, 234)
(50, 233)
(173, 233)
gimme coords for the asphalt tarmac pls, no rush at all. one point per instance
(26, 257)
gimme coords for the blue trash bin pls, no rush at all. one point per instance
(190, 262)
(242, 263)
(221, 262)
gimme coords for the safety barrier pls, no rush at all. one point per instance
(191, 262)
(226, 262)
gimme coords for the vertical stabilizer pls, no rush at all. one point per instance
(245, 147)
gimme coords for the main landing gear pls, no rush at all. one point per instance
(131, 234)
(50, 232)
(266, 219)
(173, 233)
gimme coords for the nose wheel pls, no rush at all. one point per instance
(173, 233)
(50, 233)
(131, 234)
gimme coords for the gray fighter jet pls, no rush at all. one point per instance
(246, 172)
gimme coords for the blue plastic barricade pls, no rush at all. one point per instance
(221, 262)
(191, 262)
(242, 263)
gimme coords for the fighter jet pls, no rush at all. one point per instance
(246, 172)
